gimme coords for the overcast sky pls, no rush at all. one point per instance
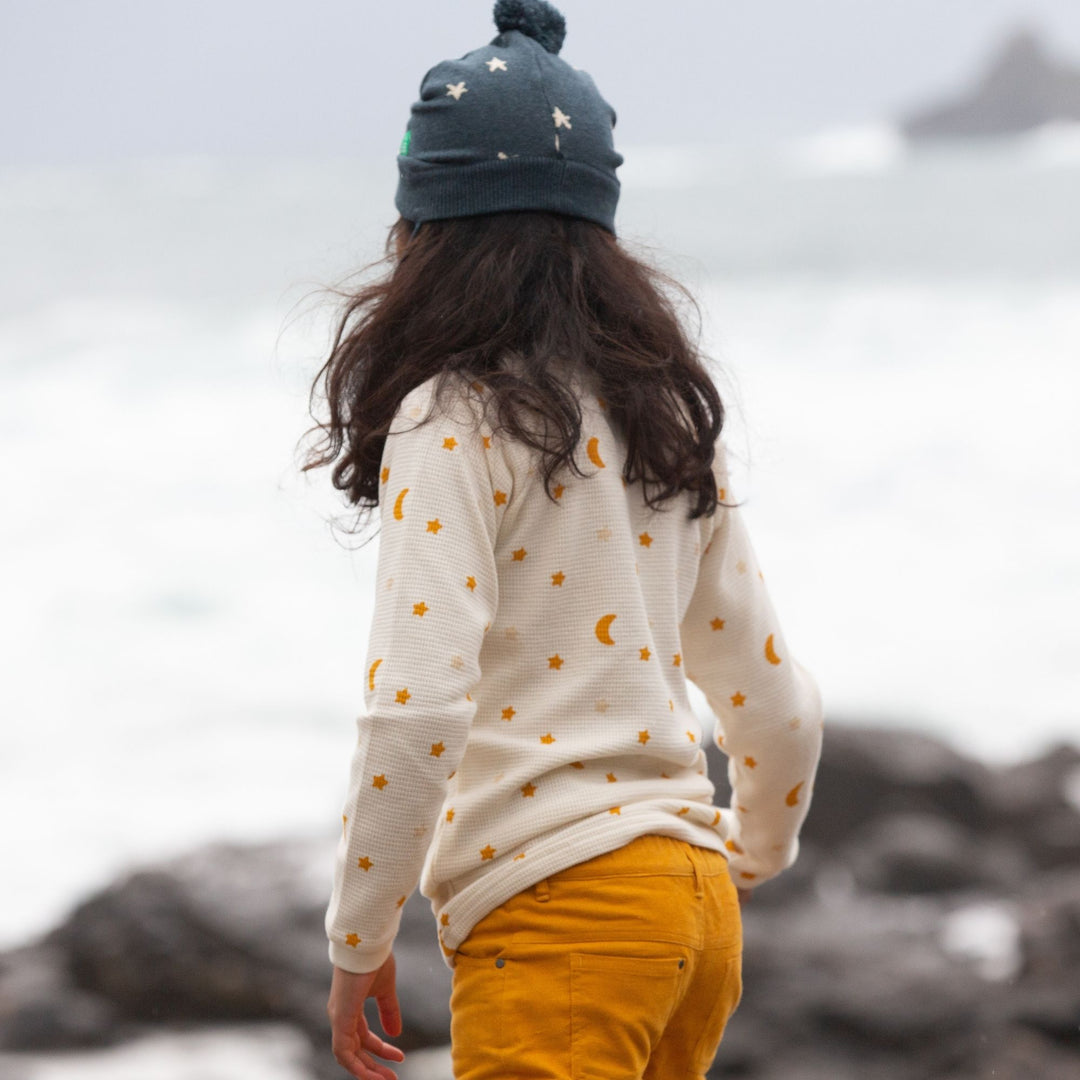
(91, 80)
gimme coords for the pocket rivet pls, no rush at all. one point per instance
(500, 962)
(682, 963)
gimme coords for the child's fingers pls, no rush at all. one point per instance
(390, 1013)
(372, 1043)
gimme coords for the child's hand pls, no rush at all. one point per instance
(355, 1044)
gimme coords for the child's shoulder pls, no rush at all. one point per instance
(448, 396)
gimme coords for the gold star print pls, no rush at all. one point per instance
(560, 118)
(616, 810)
(379, 782)
(365, 864)
(643, 736)
(455, 90)
(601, 402)
(644, 539)
(677, 659)
(716, 820)
(352, 939)
(403, 695)
(611, 778)
(500, 498)
(684, 810)
(449, 442)
(450, 814)
(487, 852)
(557, 492)
(746, 874)
(344, 819)
(742, 809)
(717, 623)
(601, 706)
(558, 578)
(470, 582)
(690, 735)
(487, 442)
(547, 739)
(576, 765)
(749, 762)
(555, 661)
(385, 474)
(519, 554)
(457, 661)
(401, 901)
(732, 846)
(511, 633)
(741, 566)
(434, 526)
(508, 712)
(645, 654)
(794, 723)
(437, 749)
(603, 534)
(722, 492)
(737, 699)
(495, 64)
(528, 791)
(670, 705)
(521, 856)
(420, 609)
(444, 919)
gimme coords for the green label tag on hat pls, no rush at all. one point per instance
(406, 143)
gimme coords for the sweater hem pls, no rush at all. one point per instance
(592, 837)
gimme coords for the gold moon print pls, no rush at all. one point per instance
(371, 674)
(398, 513)
(793, 795)
(592, 448)
(770, 652)
(603, 629)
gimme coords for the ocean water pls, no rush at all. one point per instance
(897, 337)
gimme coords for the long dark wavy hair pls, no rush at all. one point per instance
(464, 296)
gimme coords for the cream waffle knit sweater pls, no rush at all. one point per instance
(525, 685)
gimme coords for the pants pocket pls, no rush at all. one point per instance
(619, 1007)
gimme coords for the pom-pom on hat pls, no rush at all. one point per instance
(510, 126)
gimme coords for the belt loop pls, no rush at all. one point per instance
(541, 891)
(699, 884)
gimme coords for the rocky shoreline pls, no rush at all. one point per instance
(929, 929)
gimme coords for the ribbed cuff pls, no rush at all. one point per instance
(360, 961)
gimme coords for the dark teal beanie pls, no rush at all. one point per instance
(510, 126)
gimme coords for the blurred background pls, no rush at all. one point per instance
(877, 206)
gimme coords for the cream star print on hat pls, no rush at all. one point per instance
(510, 126)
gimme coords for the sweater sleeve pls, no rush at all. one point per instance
(769, 714)
(436, 594)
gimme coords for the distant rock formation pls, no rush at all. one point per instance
(1022, 88)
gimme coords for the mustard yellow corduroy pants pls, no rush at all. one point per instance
(624, 967)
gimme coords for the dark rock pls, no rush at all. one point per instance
(922, 853)
(229, 932)
(851, 967)
(1034, 810)
(869, 772)
(40, 1009)
(1023, 87)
